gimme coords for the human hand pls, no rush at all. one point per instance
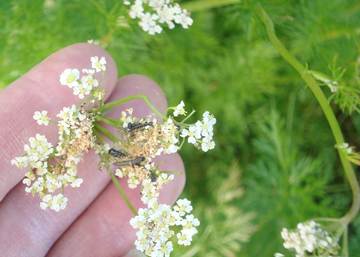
(96, 221)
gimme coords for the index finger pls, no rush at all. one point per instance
(37, 90)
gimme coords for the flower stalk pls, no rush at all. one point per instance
(122, 194)
(121, 101)
(202, 5)
(326, 108)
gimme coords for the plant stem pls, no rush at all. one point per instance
(106, 133)
(203, 5)
(346, 243)
(121, 101)
(112, 122)
(326, 108)
(191, 114)
(122, 193)
(115, 181)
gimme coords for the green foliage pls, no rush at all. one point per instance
(286, 182)
(268, 122)
(225, 227)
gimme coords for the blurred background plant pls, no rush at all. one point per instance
(270, 129)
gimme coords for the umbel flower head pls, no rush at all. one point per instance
(129, 155)
(155, 225)
(52, 168)
(310, 239)
(154, 13)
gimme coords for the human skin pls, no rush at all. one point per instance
(96, 221)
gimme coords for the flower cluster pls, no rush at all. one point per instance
(131, 155)
(41, 118)
(153, 13)
(52, 168)
(143, 139)
(155, 227)
(310, 239)
(201, 133)
(84, 83)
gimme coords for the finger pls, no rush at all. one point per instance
(40, 89)
(103, 229)
(21, 219)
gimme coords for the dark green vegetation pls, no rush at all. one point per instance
(270, 129)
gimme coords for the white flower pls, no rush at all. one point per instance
(20, 162)
(68, 118)
(82, 90)
(133, 181)
(58, 202)
(189, 223)
(155, 232)
(84, 86)
(38, 148)
(164, 178)
(170, 131)
(46, 202)
(41, 118)
(184, 20)
(183, 206)
(126, 117)
(149, 191)
(207, 144)
(77, 182)
(98, 64)
(70, 77)
(153, 13)
(136, 10)
(166, 249)
(179, 109)
(166, 15)
(184, 238)
(148, 24)
(309, 238)
(119, 173)
(208, 123)
(89, 81)
(193, 133)
(201, 133)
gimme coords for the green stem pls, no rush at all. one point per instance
(115, 181)
(346, 243)
(106, 133)
(172, 172)
(112, 122)
(121, 101)
(122, 193)
(191, 114)
(326, 108)
(203, 5)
